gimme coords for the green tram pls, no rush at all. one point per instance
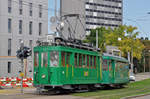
(76, 67)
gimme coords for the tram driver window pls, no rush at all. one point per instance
(44, 59)
(54, 58)
(105, 66)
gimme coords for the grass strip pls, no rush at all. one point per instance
(132, 89)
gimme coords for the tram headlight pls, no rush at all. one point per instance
(43, 76)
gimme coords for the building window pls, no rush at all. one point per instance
(9, 6)
(20, 7)
(30, 9)
(9, 67)
(9, 47)
(40, 29)
(40, 11)
(30, 27)
(20, 26)
(9, 25)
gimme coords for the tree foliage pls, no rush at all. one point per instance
(128, 43)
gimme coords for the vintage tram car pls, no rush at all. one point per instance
(73, 65)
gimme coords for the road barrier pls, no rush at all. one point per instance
(15, 82)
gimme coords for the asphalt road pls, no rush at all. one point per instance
(143, 97)
(142, 76)
(30, 93)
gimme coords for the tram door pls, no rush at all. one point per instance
(105, 71)
(36, 67)
(43, 77)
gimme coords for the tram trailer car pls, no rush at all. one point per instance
(115, 70)
(63, 67)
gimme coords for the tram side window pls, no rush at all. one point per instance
(94, 61)
(110, 65)
(80, 60)
(68, 59)
(36, 59)
(44, 58)
(63, 59)
(54, 58)
(105, 66)
(76, 60)
(84, 61)
(88, 61)
(91, 61)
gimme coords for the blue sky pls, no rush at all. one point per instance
(134, 13)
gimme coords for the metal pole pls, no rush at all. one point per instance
(22, 66)
(55, 8)
(21, 76)
(96, 39)
(25, 68)
(129, 57)
(149, 62)
(132, 60)
(144, 61)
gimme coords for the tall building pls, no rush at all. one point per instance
(107, 13)
(94, 13)
(25, 20)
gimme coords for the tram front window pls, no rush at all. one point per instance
(54, 58)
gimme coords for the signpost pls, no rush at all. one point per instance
(23, 53)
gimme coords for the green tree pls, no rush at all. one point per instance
(101, 37)
(128, 43)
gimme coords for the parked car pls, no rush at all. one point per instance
(131, 76)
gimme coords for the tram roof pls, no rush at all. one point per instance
(65, 48)
(113, 57)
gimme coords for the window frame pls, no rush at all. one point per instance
(37, 59)
(9, 25)
(56, 60)
(9, 46)
(30, 27)
(9, 67)
(105, 66)
(63, 59)
(9, 6)
(20, 26)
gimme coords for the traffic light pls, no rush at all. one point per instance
(27, 52)
(20, 54)
(24, 53)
